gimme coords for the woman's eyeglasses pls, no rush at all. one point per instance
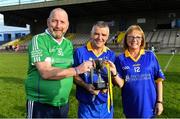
(134, 37)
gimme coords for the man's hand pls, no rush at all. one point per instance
(90, 88)
(84, 67)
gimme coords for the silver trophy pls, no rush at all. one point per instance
(98, 66)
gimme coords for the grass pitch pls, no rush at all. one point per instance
(13, 70)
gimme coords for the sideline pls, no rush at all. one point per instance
(165, 68)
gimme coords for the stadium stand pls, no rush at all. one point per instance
(149, 36)
(18, 44)
(163, 39)
(157, 25)
(80, 39)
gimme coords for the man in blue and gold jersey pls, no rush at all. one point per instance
(92, 101)
(50, 72)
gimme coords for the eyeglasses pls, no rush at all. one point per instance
(133, 37)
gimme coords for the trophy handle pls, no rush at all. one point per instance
(92, 73)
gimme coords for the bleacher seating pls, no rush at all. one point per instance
(149, 36)
(161, 39)
(80, 39)
(21, 43)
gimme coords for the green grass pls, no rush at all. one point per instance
(171, 86)
(13, 68)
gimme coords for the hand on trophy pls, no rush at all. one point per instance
(98, 65)
(112, 67)
(91, 89)
(104, 91)
(84, 67)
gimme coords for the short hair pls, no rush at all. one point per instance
(57, 9)
(129, 30)
(100, 24)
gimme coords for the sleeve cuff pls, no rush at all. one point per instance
(159, 80)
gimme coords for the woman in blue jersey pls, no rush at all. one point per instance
(139, 76)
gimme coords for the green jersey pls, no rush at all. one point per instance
(44, 47)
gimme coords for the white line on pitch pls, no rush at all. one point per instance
(168, 63)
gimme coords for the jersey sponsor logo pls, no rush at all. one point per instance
(36, 53)
(61, 61)
(52, 50)
(127, 78)
(60, 52)
(130, 78)
(125, 67)
(136, 65)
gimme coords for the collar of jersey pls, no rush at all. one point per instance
(89, 48)
(59, 43)
(127, 54)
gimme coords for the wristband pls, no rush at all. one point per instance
(159, 102)
(77, 71)
(115, 75)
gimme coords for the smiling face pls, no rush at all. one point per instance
(134, 39)
(58, 23)
(99, 36)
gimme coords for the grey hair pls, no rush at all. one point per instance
(100, 24)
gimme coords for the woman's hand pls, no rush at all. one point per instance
(159, 108)
(112, 67)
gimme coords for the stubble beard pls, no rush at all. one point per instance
(56, 36)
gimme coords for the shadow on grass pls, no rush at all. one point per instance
(172, 77)
(12, 80)
(2, 116)
(21, 109)
(170, 113)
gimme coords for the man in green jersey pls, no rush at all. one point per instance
(50, 72)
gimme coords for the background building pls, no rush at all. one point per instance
(10, 33)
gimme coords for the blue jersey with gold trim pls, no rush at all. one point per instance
(81, 55)
(139, 90)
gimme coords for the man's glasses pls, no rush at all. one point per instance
(133, 37)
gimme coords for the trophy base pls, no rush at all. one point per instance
(99, 86)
